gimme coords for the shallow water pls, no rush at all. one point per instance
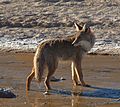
(101, 72)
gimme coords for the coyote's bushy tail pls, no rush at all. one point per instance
(38, 64)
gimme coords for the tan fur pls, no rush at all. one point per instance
(71, 48)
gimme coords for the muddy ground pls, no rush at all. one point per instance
(101, 72)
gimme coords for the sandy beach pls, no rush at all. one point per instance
(101, 72)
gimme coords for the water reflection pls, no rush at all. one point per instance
(99, 92)
(72, 98)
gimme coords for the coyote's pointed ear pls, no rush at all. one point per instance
(84, 27)
(78, 27)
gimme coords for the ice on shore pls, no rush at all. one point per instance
(19, 45)
(102, 46)
(106, 46)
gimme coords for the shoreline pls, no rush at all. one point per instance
(28, 45)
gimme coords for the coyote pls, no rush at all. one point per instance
(71, 48)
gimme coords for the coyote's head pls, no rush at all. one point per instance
(84, 37)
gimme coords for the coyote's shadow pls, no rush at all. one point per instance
(102, 93)
(96, 92)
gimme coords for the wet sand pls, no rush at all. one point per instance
(101, 72)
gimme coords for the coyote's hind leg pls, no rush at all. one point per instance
(52, 65)
(29, 79)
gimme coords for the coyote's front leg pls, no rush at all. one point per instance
(52, 66)
(78, 75)
(74, 75)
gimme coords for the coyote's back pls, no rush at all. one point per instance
(71, 48)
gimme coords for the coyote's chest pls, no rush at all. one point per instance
(86, 45)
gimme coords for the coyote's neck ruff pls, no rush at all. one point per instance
(70, 48)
